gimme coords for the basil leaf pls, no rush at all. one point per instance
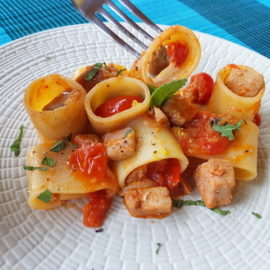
(151, 88)
(31, 168)
(120, 71)
(227, 130)
(162, 93)
(256, 215)
(93, 72)
(158, 248)
(16, 145)
(58, 146)
(180, 203)
(45, 196)
(50, 162)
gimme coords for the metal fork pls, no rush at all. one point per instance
(91, 8)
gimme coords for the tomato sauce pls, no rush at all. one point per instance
(116, 105)
(94, 212)
(200, 88)
(89, 161)
(201, 139)
(177, 52)
(166, 173)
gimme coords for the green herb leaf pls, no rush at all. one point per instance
(151, 88)
(45, 196)
(58, 146)
(50, 162)
(16, 146)
(162, 93)
(158, 248)
(127, 132)
(120, 71)
(221, 212)
(256, 215)
(227, 130)
(93, 72)
(31, 168)
(180, 203)
(48, 58)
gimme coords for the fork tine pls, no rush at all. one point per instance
(115, 8)
(122, 28)
(138, 13)
(109, 32)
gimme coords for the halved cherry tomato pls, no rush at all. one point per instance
(257, 119)
(200, 138)
(166, 173)
(200, 88)
(177, 52)
(89, 159)
(116, 105)
(94, 212)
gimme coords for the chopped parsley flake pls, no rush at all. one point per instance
(181, 203)
(227, 129)
(158, 248)
(93, 72)
(256, 215)
(45, 196)
(31, 168)
(16, 145)
(47, 161)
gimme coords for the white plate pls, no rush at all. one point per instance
(191, 238)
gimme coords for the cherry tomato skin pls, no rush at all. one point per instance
(116, 105)
(257, 119)
(89, 159)
(94, 212)
(165, 173)
(201, 138)
(201, 86)
(177, 52)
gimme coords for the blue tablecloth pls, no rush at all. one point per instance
(246, 22)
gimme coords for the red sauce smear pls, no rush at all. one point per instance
(116, 105)
(177, 52)
(257, 119)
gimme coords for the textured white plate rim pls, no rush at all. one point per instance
(189, 250)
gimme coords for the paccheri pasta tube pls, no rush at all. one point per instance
(155, 143)
(55, 105)
(62, 181)
(173, 55)
(112, 88)
(238, 91)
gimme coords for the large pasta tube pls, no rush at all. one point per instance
(62, 181)
(154, 143)
(173, 55)
(225, 101)
(109, 89)
(53, 100)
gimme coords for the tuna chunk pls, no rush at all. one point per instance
(244, 82)
(120, 144)
(215, 181)
(152, 202)
(179, 110)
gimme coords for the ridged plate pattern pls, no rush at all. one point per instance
(191, 238)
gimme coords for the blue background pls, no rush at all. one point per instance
(246, 22)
